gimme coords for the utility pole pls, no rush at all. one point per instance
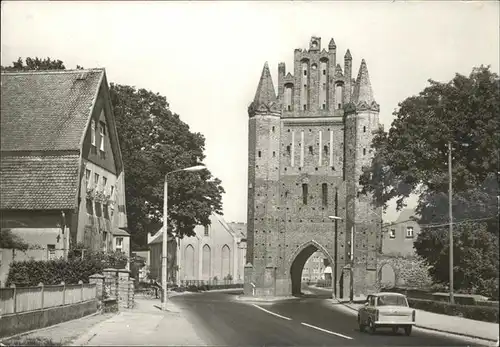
(164, 258)
(351, 278)
(450, 194)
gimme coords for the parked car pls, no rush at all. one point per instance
(386, 310)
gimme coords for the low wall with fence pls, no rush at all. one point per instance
(27, 308)
(187, 283)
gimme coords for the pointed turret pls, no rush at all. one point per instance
(348, 77)
(363, 88)
(332, 45)
(265, 91)
(265, 97)
(347, 55)
(363, 93)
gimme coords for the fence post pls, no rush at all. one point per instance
(14, 297)
(64, 292)
(41, 293)
(80, 282)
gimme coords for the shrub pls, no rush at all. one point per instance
(192, 288)
(33, 272)
(476, 312)
(31, 341)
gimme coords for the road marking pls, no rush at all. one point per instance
(327, 331)
(274, 314)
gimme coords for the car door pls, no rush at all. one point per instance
(370, 309)
(364, 311)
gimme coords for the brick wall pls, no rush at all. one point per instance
(315, 146)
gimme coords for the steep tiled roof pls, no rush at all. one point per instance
(46, 110)
(39, 182)
(44, 115)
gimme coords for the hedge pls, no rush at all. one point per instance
(206, 287)
(32, 272)
(476, 312)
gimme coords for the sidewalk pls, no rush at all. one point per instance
(446, 324)
(146, 325)
(63, 333)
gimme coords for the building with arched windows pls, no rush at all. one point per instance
(217, 252)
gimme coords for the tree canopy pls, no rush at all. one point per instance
(412, 158)
(154, 141)
(475, 257)
(35, 64)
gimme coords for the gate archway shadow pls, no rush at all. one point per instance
(299, 259)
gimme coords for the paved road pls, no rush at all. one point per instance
(309, 321)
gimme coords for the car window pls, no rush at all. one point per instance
(391, 300)
(372, 301)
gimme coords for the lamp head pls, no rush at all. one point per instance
(335, 218)
(195, 168)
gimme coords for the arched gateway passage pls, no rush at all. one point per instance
(299, 259)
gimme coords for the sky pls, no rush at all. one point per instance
(207, 57)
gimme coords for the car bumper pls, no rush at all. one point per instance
(392, 324)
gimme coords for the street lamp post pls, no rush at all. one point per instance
(164, 267)
(450, 192)
(335, 273)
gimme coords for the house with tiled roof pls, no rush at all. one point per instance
(61, 169)
(398, 237)
(217, 251)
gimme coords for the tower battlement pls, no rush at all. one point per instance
(317, 85)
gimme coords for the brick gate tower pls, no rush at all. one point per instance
(307, 147)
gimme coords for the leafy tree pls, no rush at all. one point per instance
(35, 64)
(155, 141)
(110, 259)
(475, 257)
(412, 158)
(9, 240)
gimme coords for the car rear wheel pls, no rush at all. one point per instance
(372, 326)
(361, 325)
(408, 330)
(395, 330)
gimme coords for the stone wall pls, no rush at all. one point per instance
(11, 324)
(115, 283)
(409, 271)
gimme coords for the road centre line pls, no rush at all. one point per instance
(326, 331)
(274, 314)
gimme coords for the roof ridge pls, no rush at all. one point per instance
(40, 72)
